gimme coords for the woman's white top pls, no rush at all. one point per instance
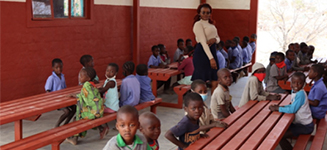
(204, 31)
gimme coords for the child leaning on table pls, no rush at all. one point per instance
(221, 102)
(302, 123)
(87, 61)
(89, 103)
(253, 89)
(57, 82)
(200, 87)
(188, 130)
(150, 127)
(127, 125)
(145, 83)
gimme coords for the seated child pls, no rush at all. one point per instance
(221, 102)
(220, 58)
(187, 66)
(292, 64)
(188, 129)
(200, 87)
(271, 62)
(127, 125)
(164, 54)
(188, 42)
(87, 61)
(89, 103)
(109, 89)
(240, 50)
(220, 47)
(180, 50)
(130, 89)
(318, 93)
(246, 40)
(252, 42)
(277, 72)
(57, 82)
(150, 127)
(234, 57)
(245, 53)
(304, 59)
(299, 106)
(145, 83)
(253, 89)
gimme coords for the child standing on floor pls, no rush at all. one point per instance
(87, 61)
(299, 106)
(109, 89)
(253, 89)
(150, 127)
(89, 103)
(199, 86)
(57, 82)
(221, 102)
(318, 93)
(277, 72)
(130, 89)
(145, 83)
(127, 125)
(188, 129)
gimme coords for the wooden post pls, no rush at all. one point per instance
(253, 26)
(136, 31)
(203, 1)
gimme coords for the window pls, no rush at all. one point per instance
(62, 9)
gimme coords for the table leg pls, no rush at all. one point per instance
(18, 130)
(154, 87)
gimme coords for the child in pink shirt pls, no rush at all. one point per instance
(187, 66)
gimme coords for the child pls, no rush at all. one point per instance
(271, 62)
(57, 82)
(188, 130)
(89, 103)
(277, 72)
(291, 46)
(240, 50)
(87, 61)
(127, 125)
(248, 47)
(188, 42)
(245, 53)
(253, 89)
(220, 47)
(299, 106)
(130, 87)
(221, 59)
(234, 57)
(292, 64)
(109, 89)
(318, 93)
(150, 127)
(145, 83)
(186, 66)
(252, 42)
(304, 58)
(164, 54)
(221, 102)
(180, 50)
(155, 60)
(199, 86)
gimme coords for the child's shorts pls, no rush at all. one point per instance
(298, 129)
(186, 80)
(108, 110)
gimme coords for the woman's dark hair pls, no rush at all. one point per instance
(197, 16)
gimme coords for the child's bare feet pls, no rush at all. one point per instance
(104, 132)
(72, 140)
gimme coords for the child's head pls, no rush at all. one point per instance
(228, 44)
(127, 123)
(193, 105)
(162, 49)
(220, 45)
(87, 61)
(296, 47)
(188, 42)
(188, 50)
(180, 44)
(224, 77)
(272, 57)
(236, 39)
(279, 57)
(200, 87)
(291, 46)
(304, 47)
(290, 55)
(258, 68)
(244, 44)
(233, 43)
(253, 37)
(150, 126)
(297, 81)
(311, 49)
(316, 71)
(246, 39)
(142, 69)
(86, 74)
(57, 66)
(155, 50)
(111, 70)
(128, 68)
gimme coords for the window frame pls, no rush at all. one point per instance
(54, 22)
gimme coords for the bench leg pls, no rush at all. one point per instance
(154, 109)
(56, 145)
(154, 87)
(18, 130)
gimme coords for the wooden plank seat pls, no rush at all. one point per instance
(319, 137)
(303, 140)
(180, 90)
(57, 135)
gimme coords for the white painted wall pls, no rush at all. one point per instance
(230, 4)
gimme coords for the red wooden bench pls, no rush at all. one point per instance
(180, 90)
(57, 135)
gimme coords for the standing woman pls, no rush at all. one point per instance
(204, 57)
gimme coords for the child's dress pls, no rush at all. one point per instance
(89, 104)
(111, 97)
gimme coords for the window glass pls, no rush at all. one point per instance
(41, 8)
(77, 8)
(60, 8)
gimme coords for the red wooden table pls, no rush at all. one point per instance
(162, 74)
(16, 110)
(253, 126)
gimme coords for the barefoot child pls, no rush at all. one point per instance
(145, 83)
(127, 125)
(221, 102)
(57, 82)
(299, 106)
(89, 103)
(87, 61)
(150, 127)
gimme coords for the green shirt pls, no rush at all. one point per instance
(117, 143)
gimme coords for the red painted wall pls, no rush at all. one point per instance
(27, 52)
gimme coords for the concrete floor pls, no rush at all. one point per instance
(168, 116)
